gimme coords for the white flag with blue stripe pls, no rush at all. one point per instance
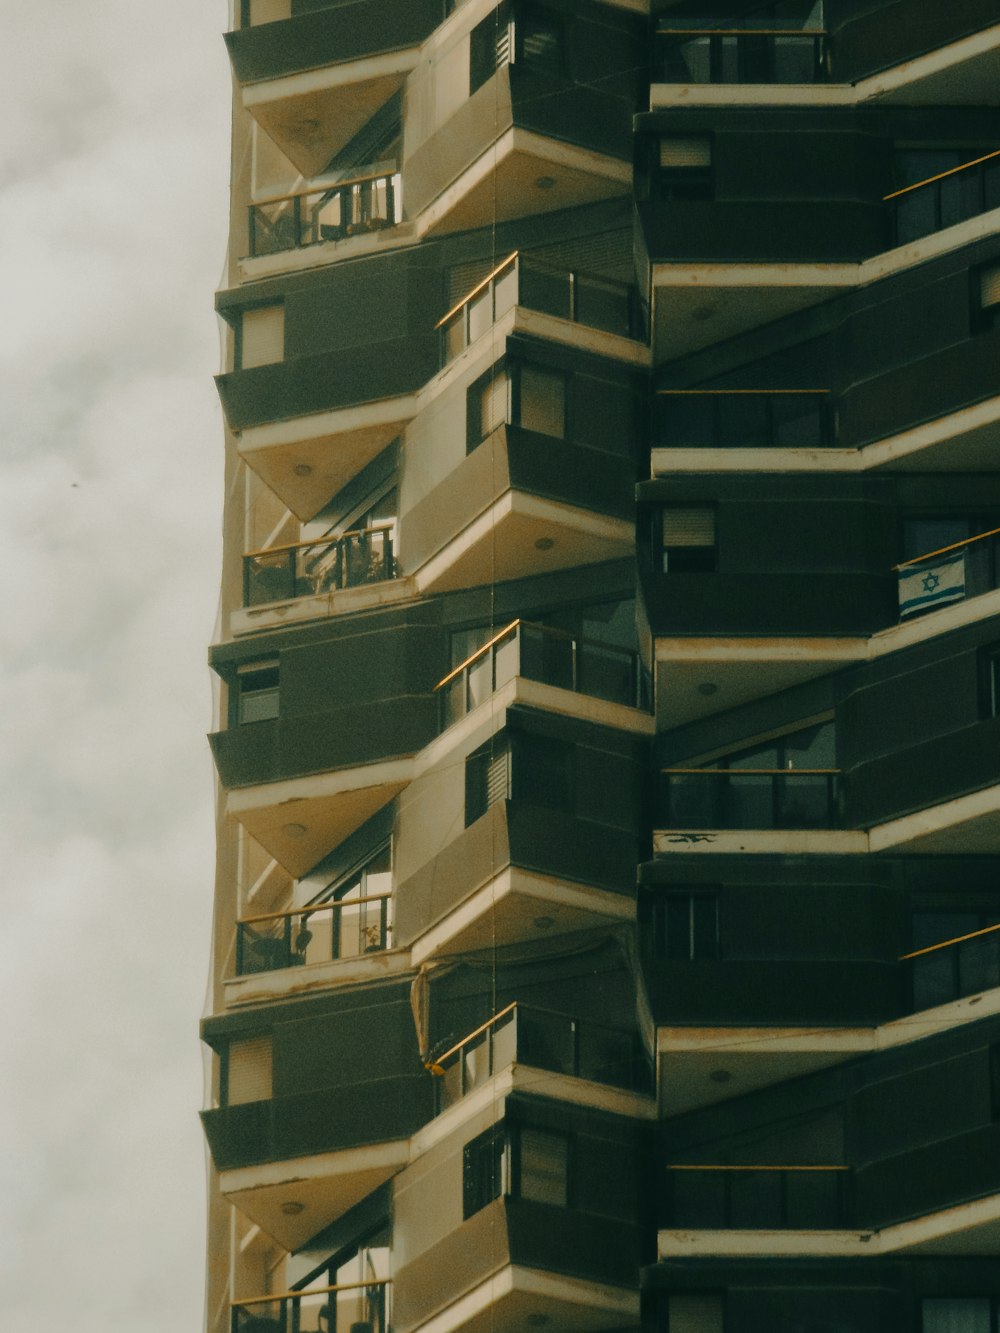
(931, 583)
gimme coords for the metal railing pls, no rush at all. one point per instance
(344, 928)
(954, 968)
(742, 419)
(540, 653)
(323, 213)
(749, 798)
(740, 55)
(757, 1197)
(964, 569)
(584, 298)
(543, 1039)
(323, 564)
(949, 197)
(361, 1306)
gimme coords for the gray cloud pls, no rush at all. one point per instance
(113, 177)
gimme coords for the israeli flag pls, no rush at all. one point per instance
(931, 583)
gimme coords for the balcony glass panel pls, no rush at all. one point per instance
(965, 962)
(325, 564)
(947, 190)
(539, 652)
(326, 213)
(721, 419)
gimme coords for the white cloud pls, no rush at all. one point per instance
(113, 186)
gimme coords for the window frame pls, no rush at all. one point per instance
(493, 1166)
(245, 671)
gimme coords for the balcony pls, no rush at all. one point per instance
(319, 933)
(761, 55)
(952, 573)
(541, 1039)
(945, 199)
(749, 798)
(321, 566)
(954, 968)
(361, 1306)
(312, 80)
(550, 656)
(326, 214)
(581, 298)
(765, 1198)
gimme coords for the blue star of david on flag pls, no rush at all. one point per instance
(931, 583)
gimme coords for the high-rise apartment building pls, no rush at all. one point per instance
(607, 926)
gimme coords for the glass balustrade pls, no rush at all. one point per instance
(756, 1197)
(346, 928)
(323, 565)
(953, 969)
(550, 656)
(544, 1040)
(742, 419)
(583, 298)
(944, 199)
(326, 213)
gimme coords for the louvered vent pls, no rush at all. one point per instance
(250, 1071)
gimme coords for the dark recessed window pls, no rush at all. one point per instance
(540, 42)
(542, 1168)
(487, 405)
(688, 540)
(485, 1170)
(685, 168)
(685, 926)
(491, 46)
(257, 691)
(541, 401)
(487, 778)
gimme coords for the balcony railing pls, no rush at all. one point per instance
(324, 564)
(950, 574)
(540, 653)
(544, 1040)
(942, 200)
(736, 55)
(584, 298)
(361, 1306)
(743, 419)
(749, 798)
(326, 213)
(315, 934)
(757, 1197)
(954, 968)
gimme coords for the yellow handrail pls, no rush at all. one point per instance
(311, 1291)
(478, 653)
(328, 540)
(478, 288)
(435, 1065)
(966, 541)
(946, 944)
(941, 175)
(325, 189)
(309, 908)
(697, 1166)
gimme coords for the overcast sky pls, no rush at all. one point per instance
(113, 178)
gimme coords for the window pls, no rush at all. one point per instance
(685, 926)
(363, 924)
(257, 691)
(247, 1072)
(968, 961)
(688, 540)
(986, 307)
(685, 168)
(977, 563)
(959, 1314)
(487, 405)
(487, 778)
(260, 337)
(542, 1173)
(485, 1170)
(543, 771)
(253, 12)
(526, 1162)
(991, 673)
(491, 46)
(541, 401)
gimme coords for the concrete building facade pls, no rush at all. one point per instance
(607, 926)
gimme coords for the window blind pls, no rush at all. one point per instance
(685, 152)
(250, 1071)
(689, 527)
